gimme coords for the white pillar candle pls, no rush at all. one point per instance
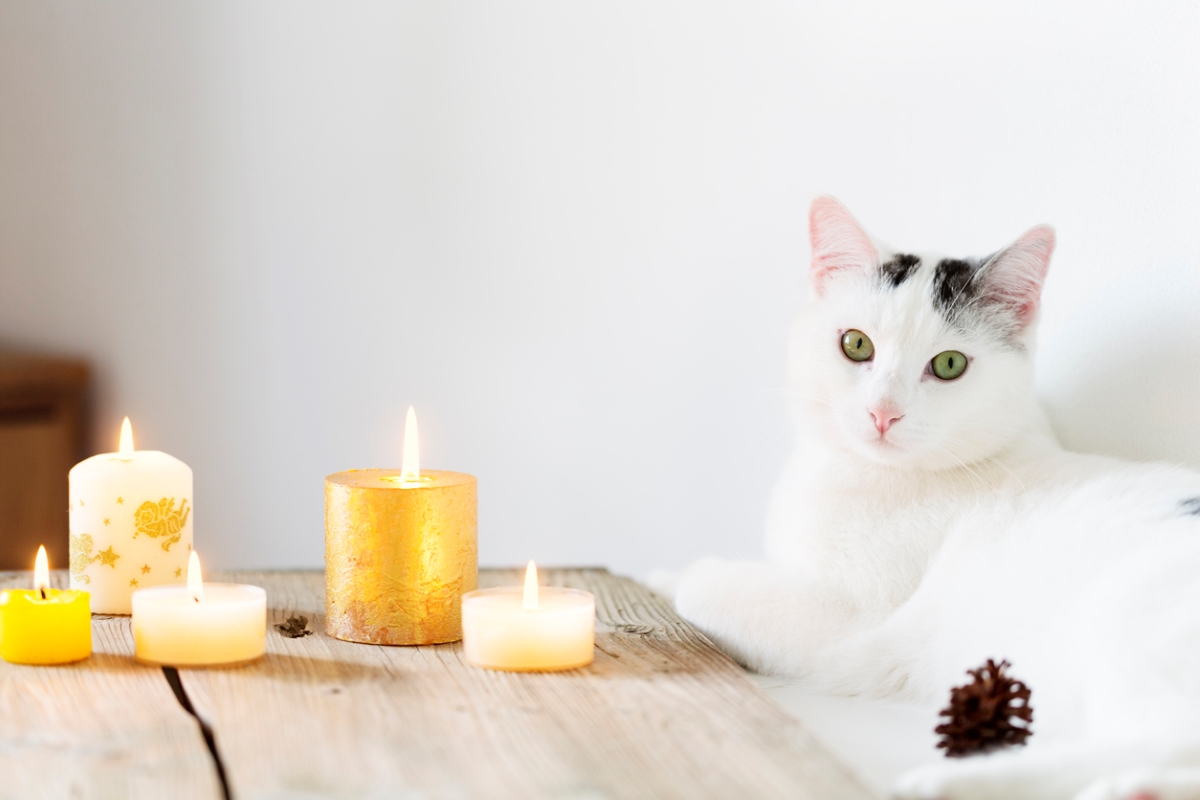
(529, 629)
(199, 625)
(130, 522)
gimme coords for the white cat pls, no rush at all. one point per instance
(928, 520)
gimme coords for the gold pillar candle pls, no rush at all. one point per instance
(400, 552)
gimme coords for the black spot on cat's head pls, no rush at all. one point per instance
(1191, 506)
(962, 293)
(898, 268)
(954, 285)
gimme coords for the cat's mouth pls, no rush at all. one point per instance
(885, 448)
(884, 444)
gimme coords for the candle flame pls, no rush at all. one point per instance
(530, 601)
(125, 450)
(410, 469)
(41, 571)
(195, 581)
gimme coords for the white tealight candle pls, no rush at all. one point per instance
(199, 625)
(131, 523)
(530, 629)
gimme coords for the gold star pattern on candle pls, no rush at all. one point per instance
(145, 568)
(108, 557)
(82, 504)
(133, 581)
(106, 520)
(178, 572)
(120, 501)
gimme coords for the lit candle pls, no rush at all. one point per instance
(199, 625)
(44, 626)
(400, 550)
(530, 628)
(131, 523)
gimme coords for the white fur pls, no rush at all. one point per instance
(897, 562)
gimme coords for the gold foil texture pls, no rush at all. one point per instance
(399, 556)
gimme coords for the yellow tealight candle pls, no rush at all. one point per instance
(529, 629)
(44, 626)
(199, 625)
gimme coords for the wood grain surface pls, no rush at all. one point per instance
(105, 728)
(660, 714)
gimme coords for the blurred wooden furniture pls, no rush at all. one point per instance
(43, 433)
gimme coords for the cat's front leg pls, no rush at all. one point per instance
(737, 605)
(764, 617)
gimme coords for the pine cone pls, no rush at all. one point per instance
(982, 713)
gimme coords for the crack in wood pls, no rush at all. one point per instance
(606, 651)
(210, 738)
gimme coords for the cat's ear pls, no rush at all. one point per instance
(1013, 277)
(838, 242)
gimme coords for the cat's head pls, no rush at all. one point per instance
(916, 359)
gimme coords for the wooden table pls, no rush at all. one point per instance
(660, 713)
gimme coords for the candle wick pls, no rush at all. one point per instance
(43, 591)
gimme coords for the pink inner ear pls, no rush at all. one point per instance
(1016, 279)
(838, 242)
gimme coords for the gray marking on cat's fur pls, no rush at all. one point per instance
(897, 270)
(1191, 506)
(954, 285)
(962, 296)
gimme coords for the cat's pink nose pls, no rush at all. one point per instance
(884, 418)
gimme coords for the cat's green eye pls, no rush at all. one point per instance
(857, 346)
(949, 365)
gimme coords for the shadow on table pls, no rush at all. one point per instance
(307, 669)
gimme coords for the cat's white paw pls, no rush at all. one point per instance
(1146, 784)
(662, 582)
(712, 594)
(736, 604)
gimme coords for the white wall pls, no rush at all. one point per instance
(570, 233)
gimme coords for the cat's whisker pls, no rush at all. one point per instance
(812, 398)
(985, 455)
(997, 426)
(991, 458)
(976, 478)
